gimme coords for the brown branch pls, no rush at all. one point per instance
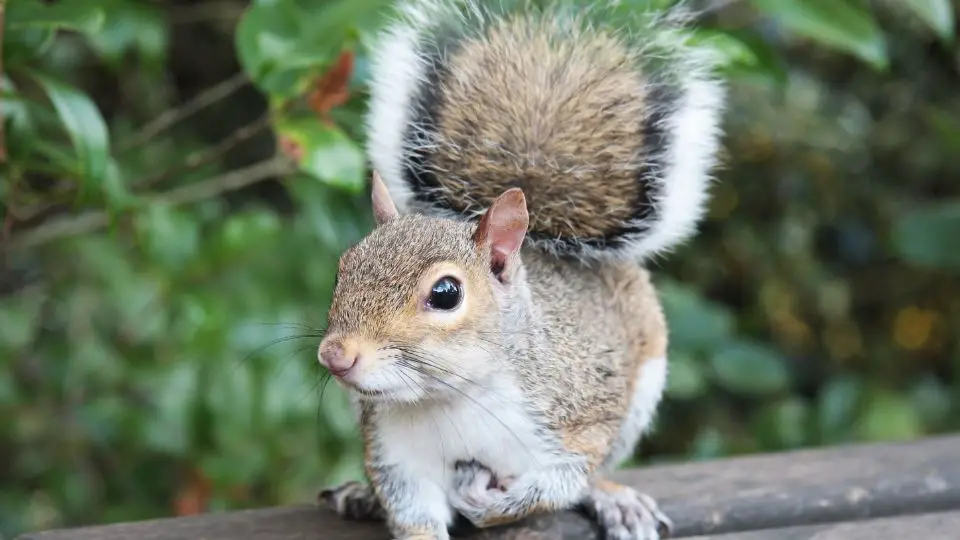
(232, 181)
(198, 159)
(204, 99)
(66, 227)
(192, 161)
(26, 213)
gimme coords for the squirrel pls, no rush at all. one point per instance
(497, 332)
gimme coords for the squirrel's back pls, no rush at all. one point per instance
(606, 116)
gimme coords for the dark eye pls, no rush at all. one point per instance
(445, 294)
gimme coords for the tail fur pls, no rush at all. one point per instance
(611, 132)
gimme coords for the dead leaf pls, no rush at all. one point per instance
(192, 498)
(290, 148)
(331, 90)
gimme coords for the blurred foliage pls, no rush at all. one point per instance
(178, 179)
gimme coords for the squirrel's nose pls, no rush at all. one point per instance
(333, 357)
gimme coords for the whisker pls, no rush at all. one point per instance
(289, 324)
(405, 377)
(278, 341)
(420, 358)
(476, 403)
(404, 364)
(324, 381)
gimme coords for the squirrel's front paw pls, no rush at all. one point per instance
(626, 514)
(476, 491)
(353, 501)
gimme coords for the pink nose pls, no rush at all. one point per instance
(333, 357)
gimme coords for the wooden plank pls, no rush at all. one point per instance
(811, 486)
(713, 497)
(939, 526)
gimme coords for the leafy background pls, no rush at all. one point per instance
(178, 179)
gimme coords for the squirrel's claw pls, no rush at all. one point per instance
(353, 501)
(476, 491)
(626, 514)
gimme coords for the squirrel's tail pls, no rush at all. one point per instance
(607, 116)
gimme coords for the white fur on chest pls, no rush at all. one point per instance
(490, 426)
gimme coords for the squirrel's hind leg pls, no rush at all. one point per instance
(354, 501)
(626, 514)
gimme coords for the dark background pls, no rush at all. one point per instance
(165, 275)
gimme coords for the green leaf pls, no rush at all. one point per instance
(19, 320)
(283, 44)
(233, 400)
(784, 424)
(10, 391)
(889, 417)
(15, 113)
(325, 152)
(335, 23)
(290, 391)
(131, 26)
(86, 127)
(140, 307)
(944, 123)
(333, 217)
(115, 189)
(269, 41)
(709, 443)
(937, 14)
(694, 322)
(173, 393)
(22, 47)
(79, 15)
(58, 156)
(749, 369)
(837, 407)
(836, 23)
(93, 358)
(246, 230)
(762, 62)
(932, 400)
(101, 419)
(731, 49)
(169, 236)
(928, 236)
(685, 378)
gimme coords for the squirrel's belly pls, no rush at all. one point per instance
(489, 426)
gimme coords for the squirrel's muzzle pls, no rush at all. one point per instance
(335, 358)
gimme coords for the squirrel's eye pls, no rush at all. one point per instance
(445, 294)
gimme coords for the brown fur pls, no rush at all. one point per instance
(601, 323)
(587, 121)
(528, 106)
(497, 520)
(591, 329)
(380, 280)
(609, 486)
(604, 324)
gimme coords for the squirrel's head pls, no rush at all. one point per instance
(417, 305)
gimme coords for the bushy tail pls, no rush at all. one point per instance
(608, 118)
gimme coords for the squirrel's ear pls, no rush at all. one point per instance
(383, 208)
(503, 227)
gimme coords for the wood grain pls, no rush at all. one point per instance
(937, 526)
(801, 488)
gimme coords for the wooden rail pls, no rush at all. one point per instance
(859, 492)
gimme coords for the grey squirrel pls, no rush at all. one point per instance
(500, 339)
